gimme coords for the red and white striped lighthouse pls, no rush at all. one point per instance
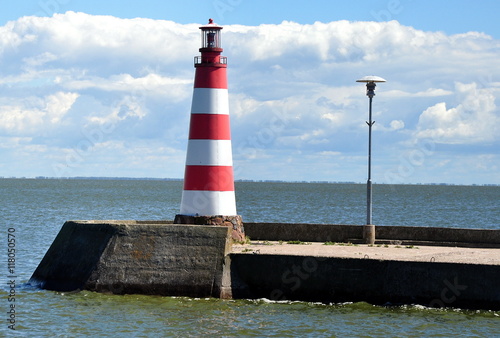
(208, 195)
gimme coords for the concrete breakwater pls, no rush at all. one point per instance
(311, 272)
(125, 257)
(161, 258)
(486, 238)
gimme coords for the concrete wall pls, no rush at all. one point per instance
(353, 233)
(303, 232)
(321, 279)
(167, 259)
(135, 257)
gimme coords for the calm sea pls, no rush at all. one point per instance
(35, 210)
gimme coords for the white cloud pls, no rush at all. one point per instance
(175, 89)
(431, 92)
(35, 115)
(129, 107)
(39, 60)
(474, 120)
(330, 153)
(293, 95)
(397, 124)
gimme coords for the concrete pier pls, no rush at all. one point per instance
(408, 235)
(387, 274)
(449, 268)
(124, 257)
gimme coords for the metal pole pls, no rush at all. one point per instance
(369, 228)
(369, 181)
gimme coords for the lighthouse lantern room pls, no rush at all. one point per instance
(210, 46)
(210, 36)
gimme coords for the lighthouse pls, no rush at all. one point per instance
(208, 194)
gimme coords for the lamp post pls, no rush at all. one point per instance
(369, 228)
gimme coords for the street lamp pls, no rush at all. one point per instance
(369, 228)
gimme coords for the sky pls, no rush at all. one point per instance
(104, 88)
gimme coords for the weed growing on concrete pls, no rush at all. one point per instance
(296, 242)
(246, 250)
(245, 241)
(329, 243)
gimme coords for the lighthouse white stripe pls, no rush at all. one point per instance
(210, 101)
(209, 152)
(208, 203)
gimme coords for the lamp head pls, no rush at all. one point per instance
(371, 78)
(371, 84)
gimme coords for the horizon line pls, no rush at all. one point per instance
(238, 180)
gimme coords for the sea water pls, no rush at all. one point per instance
(33, 210)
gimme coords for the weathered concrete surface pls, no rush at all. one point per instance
(135, 257)
(354, 233)
(451, 236)
(431, 276)
(161, 258)
(303, 232)
(436, 254)
(233, 222)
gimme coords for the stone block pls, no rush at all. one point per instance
(124, 257)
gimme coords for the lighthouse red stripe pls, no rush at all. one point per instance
(210, 77)
(209, 178)
(209, 127)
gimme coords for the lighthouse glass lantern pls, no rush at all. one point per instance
(210, 36)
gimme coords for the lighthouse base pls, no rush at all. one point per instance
(235, 222)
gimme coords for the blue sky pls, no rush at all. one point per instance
(103, 88)
(450, 16)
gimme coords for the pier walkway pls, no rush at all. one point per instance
(438, 254)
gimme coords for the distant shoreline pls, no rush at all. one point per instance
(237, 181)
